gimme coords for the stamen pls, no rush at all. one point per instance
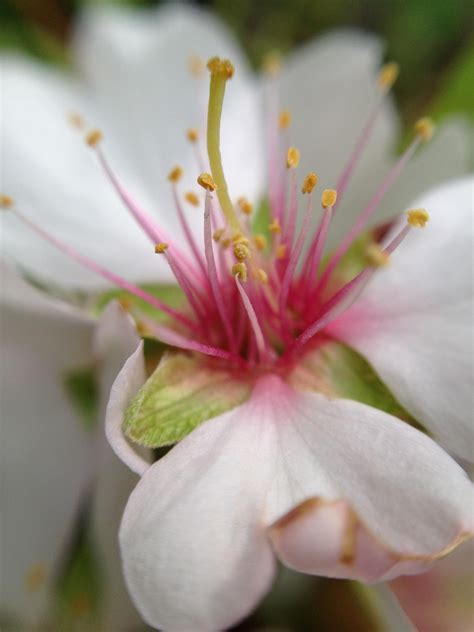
(261, 276)
(94, 137)
(284, 119)
(192, 135)
(106, 274)
(160, 248)
(252, 316)
(212, 272)
(417, 217)
(328, 198)
(175, 174)
(240, 270)
(309, 182)
(388, 75)
(217, 235)
(281, 251)
(275, 226)
(174, 339)
(424, 128)
(6, 202)
(292, 158)
(205, 180)
(260, 242)
(245, 206)
(372, 206)
(241, 251)
(346, 296)
(188, 233)
(76, 121)
(294, 258)
(221, 71)
(192, 198)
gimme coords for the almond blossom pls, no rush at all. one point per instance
(281, 463)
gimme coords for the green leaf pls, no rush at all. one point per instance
(336, 370)
(81, 386)
(181, 393)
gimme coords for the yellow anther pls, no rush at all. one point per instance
(239, 270)
(424, 128)
(76, 120)
(309, 182)
(175, 174)
(125, 303)
(241, 251)
(417, 217)
(221, 67)
(245, 206)
(328, 198)
(376, 257)
(239, 238)
(35, 577)
(275, 226)
(142, 329)
(205, 180)
(292, 158)
(94, 137)
(6, 201)
(192, 134)
(271, 64)
(225, 243)
(260, 242)
(218, 234)
(196, 65)
(192, 198)
(388, 75)
(261, 276)
(161, 248)
(281, 251)
(284, 120)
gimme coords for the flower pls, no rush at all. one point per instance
(283, 463)
(53, 463)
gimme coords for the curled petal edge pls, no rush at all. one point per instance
(327, 537)
(127, 383)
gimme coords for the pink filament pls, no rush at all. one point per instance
(252, 316)
(212, 272)
(106, 274)
(369, 210)
(346, 296)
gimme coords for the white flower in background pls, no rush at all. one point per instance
(298, 469)
(50, 461)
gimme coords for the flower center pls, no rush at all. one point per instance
(254, 299)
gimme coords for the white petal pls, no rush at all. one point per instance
(115, 340)
(153, 99)
(195, 551)
(372, 497)
(119, 344)
(46, 452)
(56, 180)
(414, 322)
(330, 86)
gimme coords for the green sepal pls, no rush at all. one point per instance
(181, 393)
(338, 371)
(83, 391)
(172, 295)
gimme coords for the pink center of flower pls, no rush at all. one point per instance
(254, 300)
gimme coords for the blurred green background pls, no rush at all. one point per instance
(437, 71)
